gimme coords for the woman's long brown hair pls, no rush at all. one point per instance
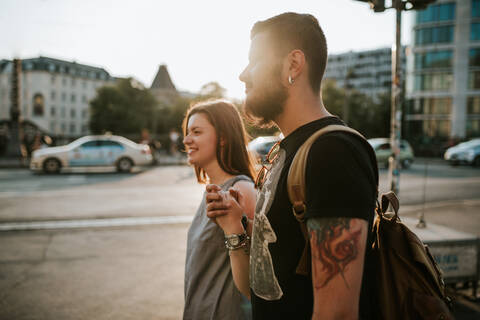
(233, 156)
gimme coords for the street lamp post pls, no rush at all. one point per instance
(14, 142)
(396, 107)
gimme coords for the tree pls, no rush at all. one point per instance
(211, 90)
(124, 109)
(370, 117)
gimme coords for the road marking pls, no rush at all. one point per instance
(93, 223)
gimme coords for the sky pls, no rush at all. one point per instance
(199, 41)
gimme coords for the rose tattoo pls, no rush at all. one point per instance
(337, 246)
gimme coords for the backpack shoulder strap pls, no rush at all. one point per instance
(296, 188)
(296, 173)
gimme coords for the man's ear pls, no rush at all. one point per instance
(295, 64)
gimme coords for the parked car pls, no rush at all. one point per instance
(104, 150)
(261, 145)
(383, 151)
(464, 153)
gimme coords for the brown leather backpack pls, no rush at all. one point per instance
(409, 284)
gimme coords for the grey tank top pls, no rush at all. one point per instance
(210, 292)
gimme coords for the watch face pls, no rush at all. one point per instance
(234, 241)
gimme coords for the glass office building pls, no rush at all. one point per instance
(443, 74)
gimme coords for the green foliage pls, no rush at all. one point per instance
(125, 108)
(371, 118)
(211, 90)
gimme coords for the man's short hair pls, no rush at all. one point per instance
(289, 31)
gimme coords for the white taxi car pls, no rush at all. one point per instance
(104, 150)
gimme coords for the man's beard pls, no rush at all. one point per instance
(268, 103)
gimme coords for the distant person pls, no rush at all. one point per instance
(215, 142)
(287, 60)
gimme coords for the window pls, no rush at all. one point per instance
(109, 143)
(431, 106)
(385, 146)
(474, 80)
(473, 105)
(84, 98)
(84, 128)
(73, 113)
(73, 128)
(439, 12)
(475, 31)
(52, 95)
(473, 128)
(64, 81)
(52, 126)
(436, 128)
(72, 98)
(64, 96)
(91, 144)
(475, 8)
(62, 112)
(429, 128)
(84, 113)
(73, 82)
(442, 34)
(441, 81)
(64, 128)
(474, 57)
(38, 105)
(434, 59)
(53, 80)
(52, 111)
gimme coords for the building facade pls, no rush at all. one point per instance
(443, 74)
(369, 72)
(55, 94)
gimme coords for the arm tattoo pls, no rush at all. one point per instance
(334, 246)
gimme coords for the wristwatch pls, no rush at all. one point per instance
(235, 241)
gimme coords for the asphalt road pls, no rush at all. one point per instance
(136, 271)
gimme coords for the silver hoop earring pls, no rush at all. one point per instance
(290, 80)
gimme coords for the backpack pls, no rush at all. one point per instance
(409, 284)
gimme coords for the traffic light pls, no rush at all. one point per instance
(420, 4)
(376, 5)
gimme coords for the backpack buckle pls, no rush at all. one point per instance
(298, 209)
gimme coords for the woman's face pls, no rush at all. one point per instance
(200, 141)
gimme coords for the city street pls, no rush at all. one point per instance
(131, 267)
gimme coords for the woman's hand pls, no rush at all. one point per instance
(224, 209)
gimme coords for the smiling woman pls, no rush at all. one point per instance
(215, 140)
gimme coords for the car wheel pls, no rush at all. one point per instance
(406, 163)
(454, 163)
(124, 165)
(51, 165)
(476, 162)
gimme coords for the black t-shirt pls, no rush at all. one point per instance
(341, 181)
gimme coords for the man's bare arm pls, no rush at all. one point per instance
(338, 250)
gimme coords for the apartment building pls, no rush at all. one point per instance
(55, 94)
(369, 71)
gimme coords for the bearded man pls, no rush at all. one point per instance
(287, 60)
